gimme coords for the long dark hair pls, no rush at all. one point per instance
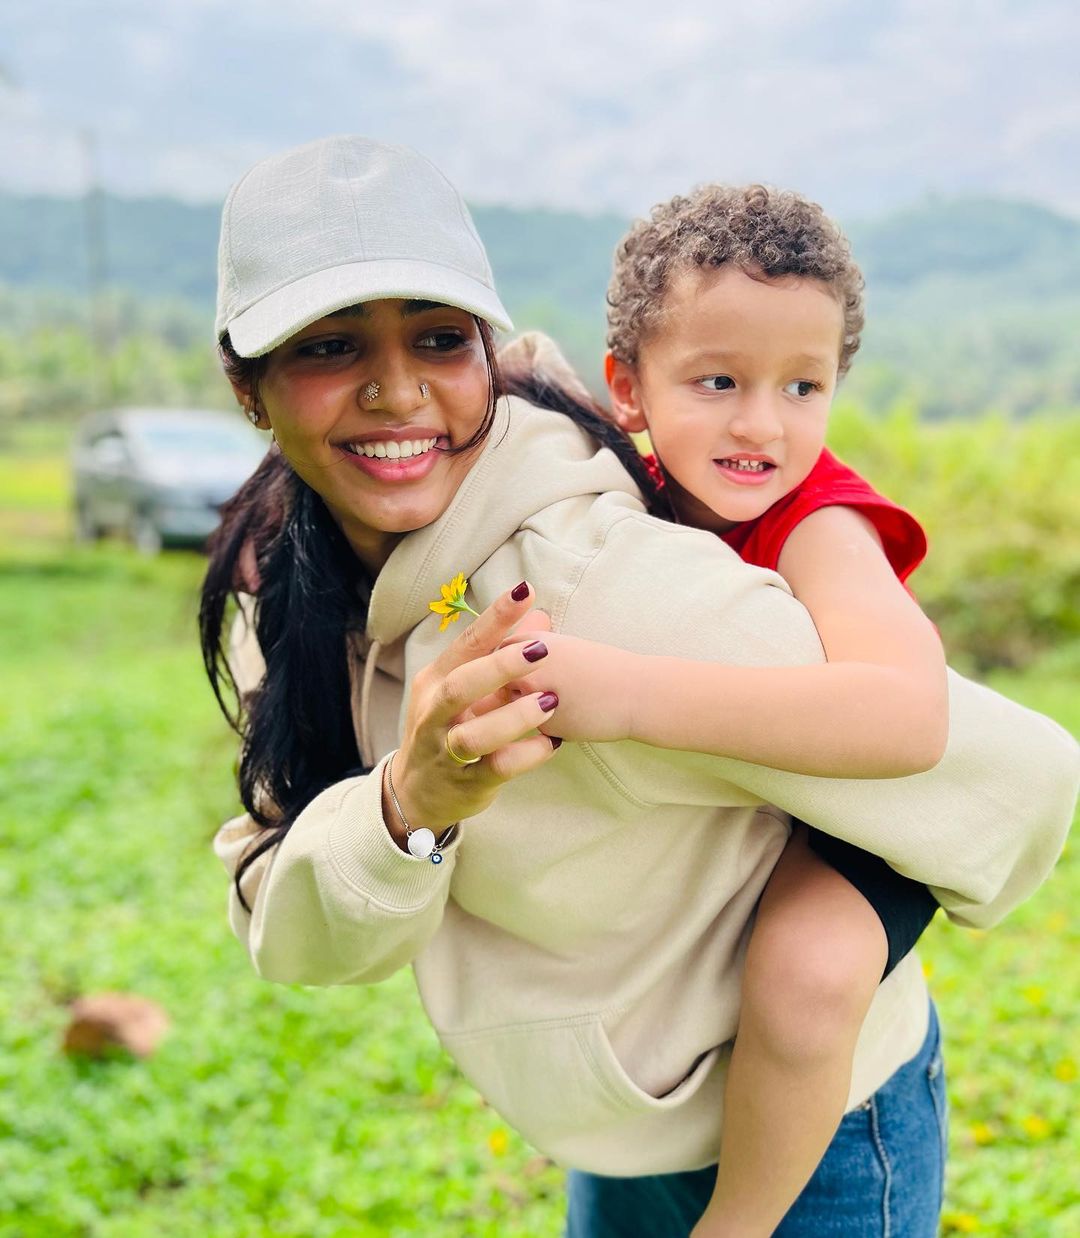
(278, 541)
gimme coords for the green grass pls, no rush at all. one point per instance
(1010, 1003)
(316, 1113)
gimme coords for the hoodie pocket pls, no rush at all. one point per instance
(560, 1082)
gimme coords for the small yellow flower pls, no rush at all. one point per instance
(498, 1142)
(452, 602)
(1035, 1126)
(960, 1223)
(1065, 1070)
(1034, 993)
(981, 1133)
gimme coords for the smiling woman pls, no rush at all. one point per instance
(377, 407)
(576, 916)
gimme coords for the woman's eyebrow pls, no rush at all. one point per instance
(412, 306)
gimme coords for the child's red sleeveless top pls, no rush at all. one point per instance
(830, 483)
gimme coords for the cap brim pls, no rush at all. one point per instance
(285, 311)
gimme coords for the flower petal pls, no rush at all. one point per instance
(452, 600)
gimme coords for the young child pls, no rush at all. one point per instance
(733, 314)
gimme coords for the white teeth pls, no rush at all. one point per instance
(416, 447)
(391, 449)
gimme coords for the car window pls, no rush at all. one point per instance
(201, 440)
(109, 451)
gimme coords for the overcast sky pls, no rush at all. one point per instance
(574, 103)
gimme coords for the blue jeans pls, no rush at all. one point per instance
(881, 1177)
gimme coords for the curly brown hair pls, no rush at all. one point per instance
(766, 232)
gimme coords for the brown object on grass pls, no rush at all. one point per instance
(102, 1023)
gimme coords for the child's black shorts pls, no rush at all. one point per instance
(905, 907)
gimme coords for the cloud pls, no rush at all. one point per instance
(567, 102)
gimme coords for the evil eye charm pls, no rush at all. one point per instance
(436, 857)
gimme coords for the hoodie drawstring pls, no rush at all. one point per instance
(367, 754)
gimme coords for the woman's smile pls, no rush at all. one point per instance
(399, 456)
(371, 406)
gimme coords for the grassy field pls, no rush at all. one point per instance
(309, 1113)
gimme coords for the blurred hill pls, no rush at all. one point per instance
(162, 248)
(973, 304)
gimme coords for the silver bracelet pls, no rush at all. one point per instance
(421, 843)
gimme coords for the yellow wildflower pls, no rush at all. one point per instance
(1035, 1126)
(498, 1142)
(960, 1223)
(452, 602)
(981, 1133)
(1065, 1070)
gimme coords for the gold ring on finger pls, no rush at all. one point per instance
(454, 756)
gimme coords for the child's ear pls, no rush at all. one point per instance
(625, 392)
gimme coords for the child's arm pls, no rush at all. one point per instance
(877, 709)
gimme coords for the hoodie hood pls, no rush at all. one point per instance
(517, 475)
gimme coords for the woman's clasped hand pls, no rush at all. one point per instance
(466, 705)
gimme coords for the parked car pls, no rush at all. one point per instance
(159, 475)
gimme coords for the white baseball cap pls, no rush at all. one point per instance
(338, 222)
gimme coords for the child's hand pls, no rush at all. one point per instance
(593, 682)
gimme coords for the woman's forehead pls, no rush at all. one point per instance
(407, 307)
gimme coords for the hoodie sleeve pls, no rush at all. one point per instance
(983, 828)
(336, 901)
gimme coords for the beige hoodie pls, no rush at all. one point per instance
(579, 951)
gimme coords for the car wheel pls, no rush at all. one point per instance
(85, 529)
(145, 534)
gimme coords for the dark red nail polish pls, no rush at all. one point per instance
(556, 741)
(548, 702)
(520, 592)
(535, 651)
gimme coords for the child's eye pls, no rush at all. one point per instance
(325, 348)
(717, 382)
(441, 341)
(802, 388)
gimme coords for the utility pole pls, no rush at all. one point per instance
(97, 269)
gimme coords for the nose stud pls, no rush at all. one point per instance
(425, 391)
(371, 391)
